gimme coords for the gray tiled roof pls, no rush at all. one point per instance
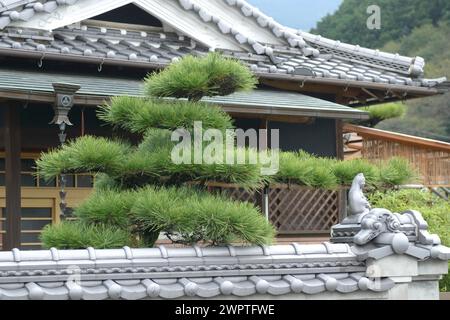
(302, 54)
(176, 272)
(240, 286)
(262, 101)
(23, 10)
(159, 49)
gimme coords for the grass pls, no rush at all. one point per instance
(196, 77)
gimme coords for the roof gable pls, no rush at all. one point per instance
(223, 24)
(234, 27)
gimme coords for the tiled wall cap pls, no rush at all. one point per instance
(265, 250)
(262, 286)
(55, 254)
(35, 292)
(16, 254)
(400, 243)
(363, 284)
(186, 4)
(114, 290)
(296, 248)
(92, 255)
(164, 252)
(296, 284)
(153, 289)
(330, 282)
(128, 252)
(232, 251)
(198, 251)
(38, 7)
(190, 288)
(75, 290)
(14, 15)
(440, 252)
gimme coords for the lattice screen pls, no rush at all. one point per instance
(295, 209)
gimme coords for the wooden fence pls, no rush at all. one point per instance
(294, 209)
(430, 158)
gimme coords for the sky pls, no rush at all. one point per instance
(298, 14)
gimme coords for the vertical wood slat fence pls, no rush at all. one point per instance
(294, 209)
(431, 158)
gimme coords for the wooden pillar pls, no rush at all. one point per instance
(339, 140)
(12, 175)
(264, 145)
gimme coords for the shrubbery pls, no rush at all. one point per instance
(194, 78)
(125, 209)
(435, 211)
(142, 192)
(79, 235)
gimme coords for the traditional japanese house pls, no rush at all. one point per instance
(80, 53)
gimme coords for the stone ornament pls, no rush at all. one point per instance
(391, 233)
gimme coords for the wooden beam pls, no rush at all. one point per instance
(373, 95)
(398, 137)
(339, 140)
(277, 118)
(12, 175)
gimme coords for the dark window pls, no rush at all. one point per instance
(30, 238)
(44, 184)
(34, 224)
(2, 179)
(34, 247)
(28, 180)
(84, 181)
(70, 180)
(28, 165)
(36, 212)
(2, 164)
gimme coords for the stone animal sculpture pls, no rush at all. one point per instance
(357, 202)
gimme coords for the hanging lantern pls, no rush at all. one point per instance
(64, 102)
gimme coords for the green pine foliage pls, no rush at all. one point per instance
(140, 190)
(85, 154)
(194, 78)
(435, 211)
(188, 217)
(345, 171)
(397, 171)
(139, 114)
(303, 169)
(381, 112)
(79, 235)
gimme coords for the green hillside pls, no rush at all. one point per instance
(411, 28)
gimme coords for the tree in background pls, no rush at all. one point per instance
(398, 19)
(381, 112)
(411, 28)
(139, 191)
